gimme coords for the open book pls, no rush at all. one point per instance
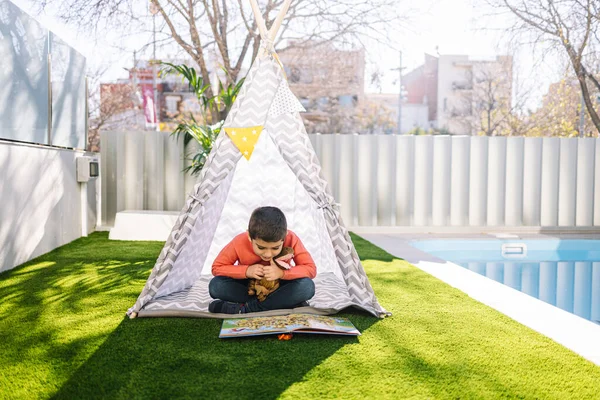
(293, 323)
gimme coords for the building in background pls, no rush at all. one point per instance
(419, 102)
(474, 94)
(454, 94)
(129, 103)
(415, 115)
(135, 95)
(330, 84)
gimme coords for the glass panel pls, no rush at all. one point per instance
(67, 72)
(23, 76)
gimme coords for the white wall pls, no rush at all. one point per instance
(40, 201)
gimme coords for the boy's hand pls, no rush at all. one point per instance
(255, 271)
(272, 272)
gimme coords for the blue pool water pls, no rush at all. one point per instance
(564, 273)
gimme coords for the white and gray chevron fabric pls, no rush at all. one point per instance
(329, 296)
(284, 172)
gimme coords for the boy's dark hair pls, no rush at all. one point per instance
(268, 224)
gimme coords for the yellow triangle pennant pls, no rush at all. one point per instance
(244, 138)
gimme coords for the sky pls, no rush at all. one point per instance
(444, 27)
(456, 27)
(435, 27)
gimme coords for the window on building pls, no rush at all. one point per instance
(322, 102)
(347, 100)
(294, 75)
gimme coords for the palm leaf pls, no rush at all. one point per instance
(190, 130)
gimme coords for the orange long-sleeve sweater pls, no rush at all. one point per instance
(237, 256)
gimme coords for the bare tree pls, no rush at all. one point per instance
(492, 99)
(330, 118)
(227, 29)
(570, 26)
(105, 103)
(111, 106)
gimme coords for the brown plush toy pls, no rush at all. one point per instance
(262, 287)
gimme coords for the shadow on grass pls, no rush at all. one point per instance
(183, 358)
(57, 308)
(70, 276)
(64, 311)
(459, 374)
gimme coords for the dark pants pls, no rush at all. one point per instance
(289, 294)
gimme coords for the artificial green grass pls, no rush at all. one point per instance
(63, 334)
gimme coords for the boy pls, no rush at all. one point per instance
(253, 251)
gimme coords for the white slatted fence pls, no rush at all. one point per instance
(387, 180)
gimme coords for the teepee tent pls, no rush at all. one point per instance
(263, 156)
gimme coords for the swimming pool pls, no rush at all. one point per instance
(564, 273)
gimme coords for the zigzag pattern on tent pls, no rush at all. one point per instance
(190, 262)
(330, 293)
(292, 140)
(288, 134)
(267, 180)
(194, 299)
(255, 104)
(188, 265)
(226, 159)
(234, 211)
(223, 156)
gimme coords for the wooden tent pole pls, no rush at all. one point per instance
(279, 19)
(260, 22)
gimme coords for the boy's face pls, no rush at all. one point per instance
(266, 250)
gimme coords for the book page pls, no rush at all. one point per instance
(332, 324)
(300, 323)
